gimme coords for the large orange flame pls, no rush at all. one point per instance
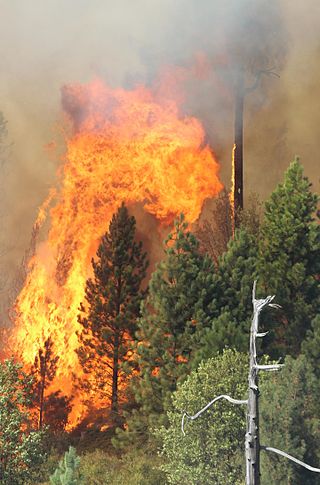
(127, 145)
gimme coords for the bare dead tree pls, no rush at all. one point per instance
(215, 231)
(240, 93)
(252, 439)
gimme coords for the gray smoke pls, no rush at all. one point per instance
(48, 44)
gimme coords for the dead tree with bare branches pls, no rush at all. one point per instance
(252, 438)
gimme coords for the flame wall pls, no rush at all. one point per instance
(126, 145)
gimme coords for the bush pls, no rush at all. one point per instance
(99, 468)
(212, 451)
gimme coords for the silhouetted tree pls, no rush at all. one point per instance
(113, 298)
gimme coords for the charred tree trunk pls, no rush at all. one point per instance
(42, 385)
(116, 349)
(237, 175)
(115, 375)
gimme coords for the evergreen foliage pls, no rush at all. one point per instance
(235, 274)
(212, 450)
(290, 421)
(136, 467)
(113, 297)
(21, 447)
(289, 261)
(67, 471)
(311, 345)
(180, 303)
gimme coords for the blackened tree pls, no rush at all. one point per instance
(43, 370)
(113, 297)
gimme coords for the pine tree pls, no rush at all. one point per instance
(289, 261)
(311, 345)
(43, 370)
(235, 273)
(181, 301)
(113, 298)
(67, 471)
(289, 421)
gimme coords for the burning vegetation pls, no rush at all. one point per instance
(132, 146)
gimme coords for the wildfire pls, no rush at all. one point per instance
(126, 145)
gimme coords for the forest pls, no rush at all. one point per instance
(150, 352)
(159, 242)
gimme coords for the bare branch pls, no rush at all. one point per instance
(286, 455)
(266, 72)
(223, 396)
(269, 367)
(262, 334)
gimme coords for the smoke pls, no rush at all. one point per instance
(48, 44)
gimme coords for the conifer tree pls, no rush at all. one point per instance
(67, 471)
(180, 303)
(113, 298)
(311, 345)
(289, 421)
(235, 273)
(289, 261)
(43, 370)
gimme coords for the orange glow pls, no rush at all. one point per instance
(126, 145)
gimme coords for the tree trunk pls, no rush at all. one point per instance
(41, 398)
(252, 443)
(115, 375)
(237, 168)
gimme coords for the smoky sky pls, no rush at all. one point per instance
(47, 44)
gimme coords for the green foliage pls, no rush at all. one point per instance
(235, 275)
(112, 306)
(212, 451)
(67, 471)
(289, 262)
(311, 345)
(134, 468)
(290, 421)
(180, 303)
(21, 449)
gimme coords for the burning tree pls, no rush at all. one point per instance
(53, 409)
(113, 298)
(252, 441)
(44, 371)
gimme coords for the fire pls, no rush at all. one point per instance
(126, 145)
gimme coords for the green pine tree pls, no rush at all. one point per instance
(67, 471)
(235, 274)
(289, 261)
(113, 298)
(311, 345)
(289, 421)
(180, 303)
